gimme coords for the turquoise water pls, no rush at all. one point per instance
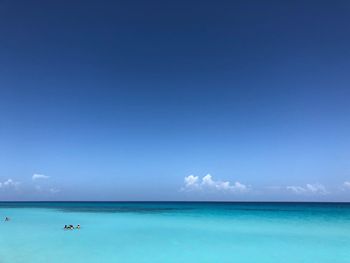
(175, 232)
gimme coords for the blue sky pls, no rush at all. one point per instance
(141, 100)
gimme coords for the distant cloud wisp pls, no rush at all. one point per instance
(43, 187)
(194, 183)
(54, 190)
(347, 185)
(9, 183)
(39, 176)
(308, 189)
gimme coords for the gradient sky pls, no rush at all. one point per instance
(123, 100)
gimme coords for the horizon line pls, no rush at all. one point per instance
(149, 201)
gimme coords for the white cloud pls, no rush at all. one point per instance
(316, 188)
(191, 181)
(296, 189)
(54, 190)
(308, 189)
(347, 185)
(240, 187)
(39, 176)
(208, 183)
(9, 183)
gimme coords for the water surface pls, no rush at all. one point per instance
(175, 232)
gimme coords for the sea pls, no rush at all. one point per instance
(174, 232)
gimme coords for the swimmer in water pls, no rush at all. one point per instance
(78, 227)
(7, 219)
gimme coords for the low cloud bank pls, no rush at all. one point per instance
(9, 183)
(207, 183)
(308, 189)
(347, 184)
(39, 176)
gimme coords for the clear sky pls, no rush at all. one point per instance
(140, 100)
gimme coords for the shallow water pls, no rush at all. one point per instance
(175, 232)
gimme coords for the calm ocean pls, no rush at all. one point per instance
(175, 232)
